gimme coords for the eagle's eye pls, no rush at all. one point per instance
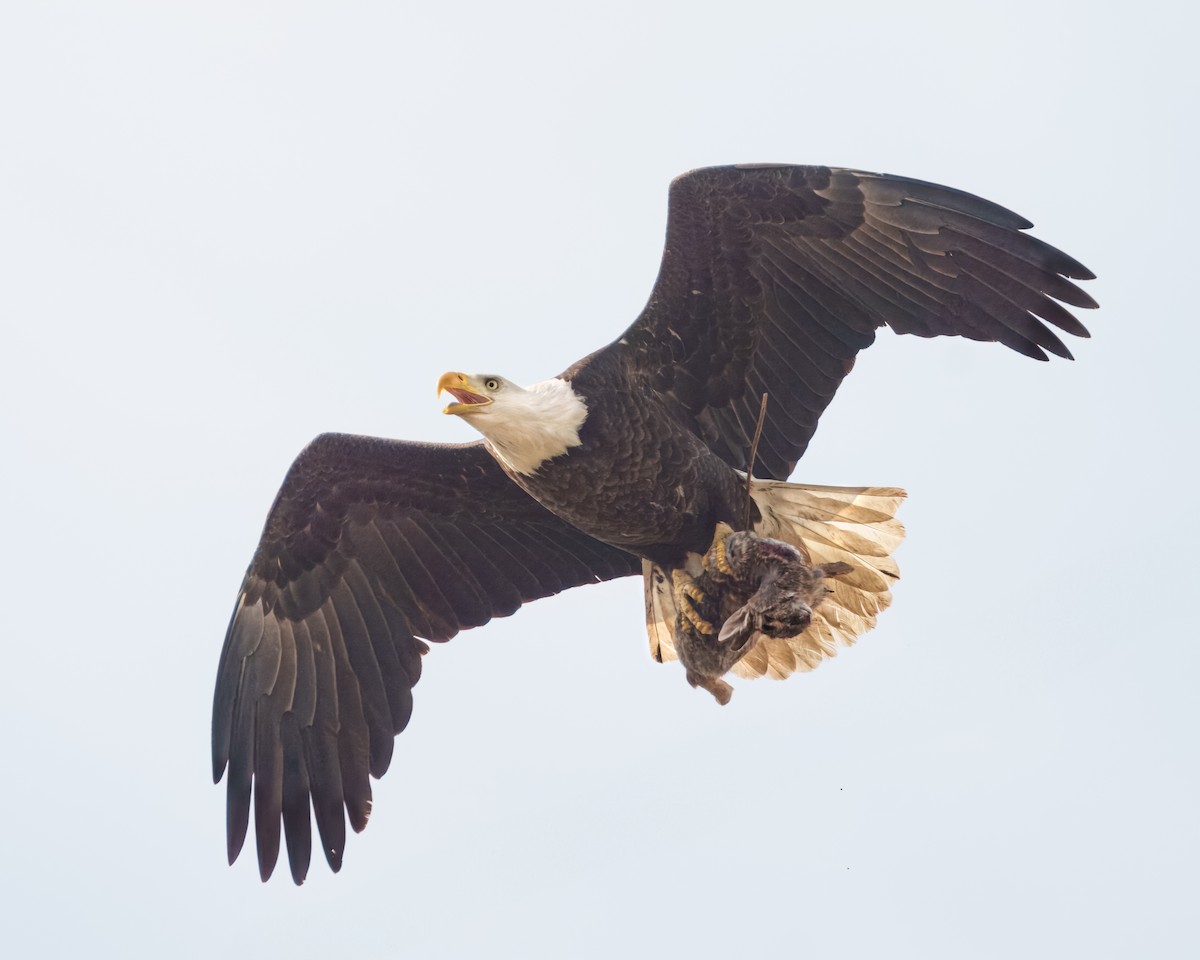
(492, 383)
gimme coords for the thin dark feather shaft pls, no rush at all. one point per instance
(762, 416)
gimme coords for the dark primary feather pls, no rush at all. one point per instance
(370, 545)
(774, 277)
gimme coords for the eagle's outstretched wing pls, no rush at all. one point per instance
(370, 544)
(774, 277)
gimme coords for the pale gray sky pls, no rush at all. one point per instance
(226, 227)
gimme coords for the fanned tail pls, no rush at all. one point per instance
(854, 525)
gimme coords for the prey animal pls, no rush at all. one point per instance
(748, 588)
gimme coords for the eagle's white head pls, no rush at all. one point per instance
(524, 426)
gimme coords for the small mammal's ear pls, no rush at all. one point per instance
(737, 629)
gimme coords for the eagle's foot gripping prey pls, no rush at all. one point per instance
(748, 586)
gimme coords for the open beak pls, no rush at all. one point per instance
(467, 393)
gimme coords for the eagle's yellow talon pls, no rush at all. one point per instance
(720, 559)
(685, 588)
(699, 624)
(715, 557)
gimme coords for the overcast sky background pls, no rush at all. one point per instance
(227, 227)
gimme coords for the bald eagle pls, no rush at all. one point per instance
(772, 279)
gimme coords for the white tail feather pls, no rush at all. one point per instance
(856, 525)
(660, 612)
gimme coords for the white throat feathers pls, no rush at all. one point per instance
(526, 426)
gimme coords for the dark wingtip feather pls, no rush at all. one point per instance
(1061, 263)
(1067, 292)
(220, 753)
(358, 809)
(241, 638)
(1070, 267)
(1047, 339)
(266, 864)
(1086, 300)
(381, 754)
(266, 828)
(325, 781)
(267, 806)
(1025, 347)
(297, 822)
(237, 814)
(1061, 350)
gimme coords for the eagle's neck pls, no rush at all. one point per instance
(533, 425)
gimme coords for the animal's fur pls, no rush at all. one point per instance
(749, 586)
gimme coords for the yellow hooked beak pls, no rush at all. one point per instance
(468, 394)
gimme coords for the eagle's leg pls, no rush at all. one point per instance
(702, 611)
(716, 562)
(699, 599)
